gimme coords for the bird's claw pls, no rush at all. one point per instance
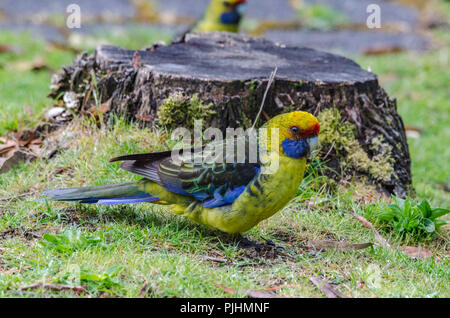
(273, 245)
(245, 243)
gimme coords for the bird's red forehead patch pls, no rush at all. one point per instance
(316, 128)
(311, 131)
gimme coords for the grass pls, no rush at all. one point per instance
(20, 87)
(167, 251)
(116, 251)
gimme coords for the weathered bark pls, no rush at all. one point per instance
(230, 71)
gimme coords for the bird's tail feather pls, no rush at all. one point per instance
(106, 194)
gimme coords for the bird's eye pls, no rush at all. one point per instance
(295, 130)
(227, 4)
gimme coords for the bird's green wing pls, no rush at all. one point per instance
(216, 174)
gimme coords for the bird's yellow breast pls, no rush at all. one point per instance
(264, 196)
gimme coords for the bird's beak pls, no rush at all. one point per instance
(313, 143)
(240, 7)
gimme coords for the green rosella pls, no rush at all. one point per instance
(229, 196)
(221, 15)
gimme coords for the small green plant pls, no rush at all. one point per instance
(69, 241)
(405, 216)
(104, 281)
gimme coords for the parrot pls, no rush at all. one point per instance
(231, 195)
(221, 15)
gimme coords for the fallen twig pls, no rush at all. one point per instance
(280, 287)
(53, 287)
(269, 83)
(319, 244)
(87, 96)
(17, 196)
(249, 293)
(267, 117)
(417, 252)
(31, 294)
(144, 290)
(329, 151)
(215, 259)
(326, 288)
(370, 226)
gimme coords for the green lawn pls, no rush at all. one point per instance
(116, 251)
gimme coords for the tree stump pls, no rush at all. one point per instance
(221, 78)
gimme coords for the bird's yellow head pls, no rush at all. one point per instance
(298, 133)
(227, 6)
(222, 15)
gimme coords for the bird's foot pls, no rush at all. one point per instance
(245, 243)
(273, 245)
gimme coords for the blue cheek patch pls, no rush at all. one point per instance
(232, 17)
(295, 148)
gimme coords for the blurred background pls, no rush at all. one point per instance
(409, 53)
(324, 24)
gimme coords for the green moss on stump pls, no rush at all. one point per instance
(341, 136)
(181, 111)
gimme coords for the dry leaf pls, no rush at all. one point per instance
(6, 163)
(16, 270)
(11, 271)
(327, 244)
(249, 293)
(417, 252)
(382, 49)
(326, 288)
(24, 147)
(8, 150)
(52, 45)
(215, 259)
(24, 137)
(102, 109)
(53, 287)
(6, 48)
(144, 290)
(7, 146)
(38, 64)
(106, 106)
(412, 132)
(277, 287)
(35, 150)
(370, 226)
(146, 118)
